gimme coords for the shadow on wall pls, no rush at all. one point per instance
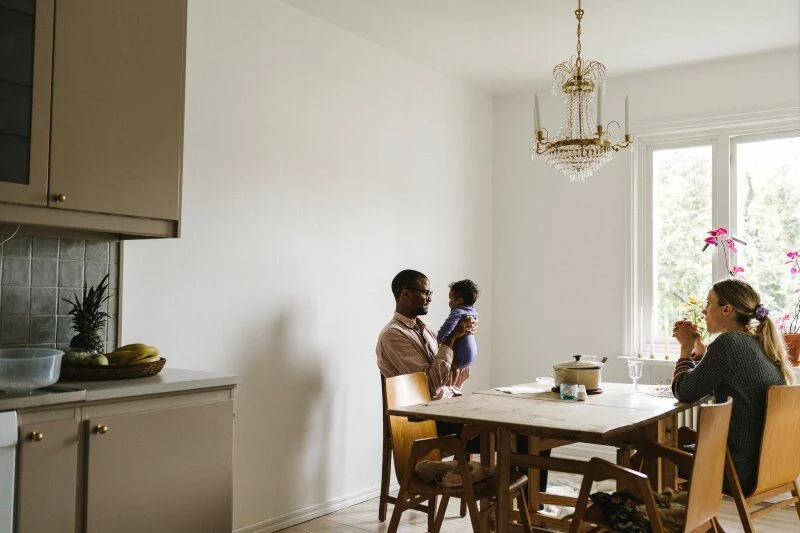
(283, 422)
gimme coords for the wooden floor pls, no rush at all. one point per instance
(364, 517)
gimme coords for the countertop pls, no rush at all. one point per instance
(169, 380)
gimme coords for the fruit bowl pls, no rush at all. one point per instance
(23, 369)
(103, 373)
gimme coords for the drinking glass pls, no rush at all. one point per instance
(635, 373)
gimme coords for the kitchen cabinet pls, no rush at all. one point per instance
(48, 474)
(164, 471)
(106, 143)
(26, 54)
(155, 463)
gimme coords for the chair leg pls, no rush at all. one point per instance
(738, 496)
(432, 512)
(475, 516)
(717, 526)
(386, 467)
(463, 510)
(524, 513)
(399, 506)
(437, 525)
(796, 494)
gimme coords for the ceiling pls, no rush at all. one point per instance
(505, 46)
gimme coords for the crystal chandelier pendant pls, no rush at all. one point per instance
(582, 145)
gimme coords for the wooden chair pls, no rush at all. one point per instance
(779, 462)
(707, 467)
(413, 441)
(386, 469)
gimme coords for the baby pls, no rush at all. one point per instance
(462, 297)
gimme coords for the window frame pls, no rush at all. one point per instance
(722, 133)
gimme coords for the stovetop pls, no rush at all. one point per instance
(38, 397)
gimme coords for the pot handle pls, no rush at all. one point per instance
(577, 358)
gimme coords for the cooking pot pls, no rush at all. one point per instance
(580, 371)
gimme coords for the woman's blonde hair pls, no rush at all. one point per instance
(746, 302)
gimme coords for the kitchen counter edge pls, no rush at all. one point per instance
(169, 380)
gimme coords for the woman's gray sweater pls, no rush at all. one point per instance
(734, 365)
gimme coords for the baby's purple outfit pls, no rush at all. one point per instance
(465, 347)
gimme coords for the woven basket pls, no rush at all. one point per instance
(103, 373)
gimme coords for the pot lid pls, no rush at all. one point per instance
(577, 364)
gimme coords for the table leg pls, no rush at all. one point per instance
(534, 496)
(503, 478)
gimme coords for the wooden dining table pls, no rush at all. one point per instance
(616, 417)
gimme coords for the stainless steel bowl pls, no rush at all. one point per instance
(24, 369)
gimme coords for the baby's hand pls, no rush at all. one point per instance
(467, 324)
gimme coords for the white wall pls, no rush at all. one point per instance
(316, 166)
(559, 248)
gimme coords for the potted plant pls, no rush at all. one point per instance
(789, 323)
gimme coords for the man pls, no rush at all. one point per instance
(406, 345)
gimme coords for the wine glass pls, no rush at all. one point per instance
(635, 373)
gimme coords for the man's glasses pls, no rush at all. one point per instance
(425, 293)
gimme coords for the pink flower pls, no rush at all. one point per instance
(731, 245)
(736, 270)
(794, 271)
(792, 255)
(712, 240)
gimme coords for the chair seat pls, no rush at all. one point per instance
(483, 489)
(612, 511)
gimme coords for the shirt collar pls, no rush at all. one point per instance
(410, 323)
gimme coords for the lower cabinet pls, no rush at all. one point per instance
(164, 471)
(48, 475)
(161, 464)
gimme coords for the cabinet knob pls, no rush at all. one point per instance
(36, 436)
(102, 429)
(61, 197)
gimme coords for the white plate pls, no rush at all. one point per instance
(545, 380)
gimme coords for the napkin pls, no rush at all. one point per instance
(520, 389)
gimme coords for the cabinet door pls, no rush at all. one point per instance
(26, 51)
(118, 97)
(47, 477)
(161, 471)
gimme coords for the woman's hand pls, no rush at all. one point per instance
(687, 336)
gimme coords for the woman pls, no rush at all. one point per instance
(747, 358)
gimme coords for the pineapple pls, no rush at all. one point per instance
(88, 319)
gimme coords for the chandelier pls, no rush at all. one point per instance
(583, 145)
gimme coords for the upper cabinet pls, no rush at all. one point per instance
(26, 54)
(101, 151)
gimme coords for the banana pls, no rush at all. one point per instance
(132, 353)
(147, 360)
(133, 358)
(132, 347)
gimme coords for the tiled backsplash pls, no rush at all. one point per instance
(37, 273)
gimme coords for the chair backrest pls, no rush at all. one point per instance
(705, 490)
(408, 389)
(779, 462)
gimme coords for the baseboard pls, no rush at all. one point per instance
(314, 511)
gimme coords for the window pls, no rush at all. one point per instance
(767, 174)
(741, 175)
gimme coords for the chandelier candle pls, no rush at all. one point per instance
(537, 121)
(627, 120)
(599, 110)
